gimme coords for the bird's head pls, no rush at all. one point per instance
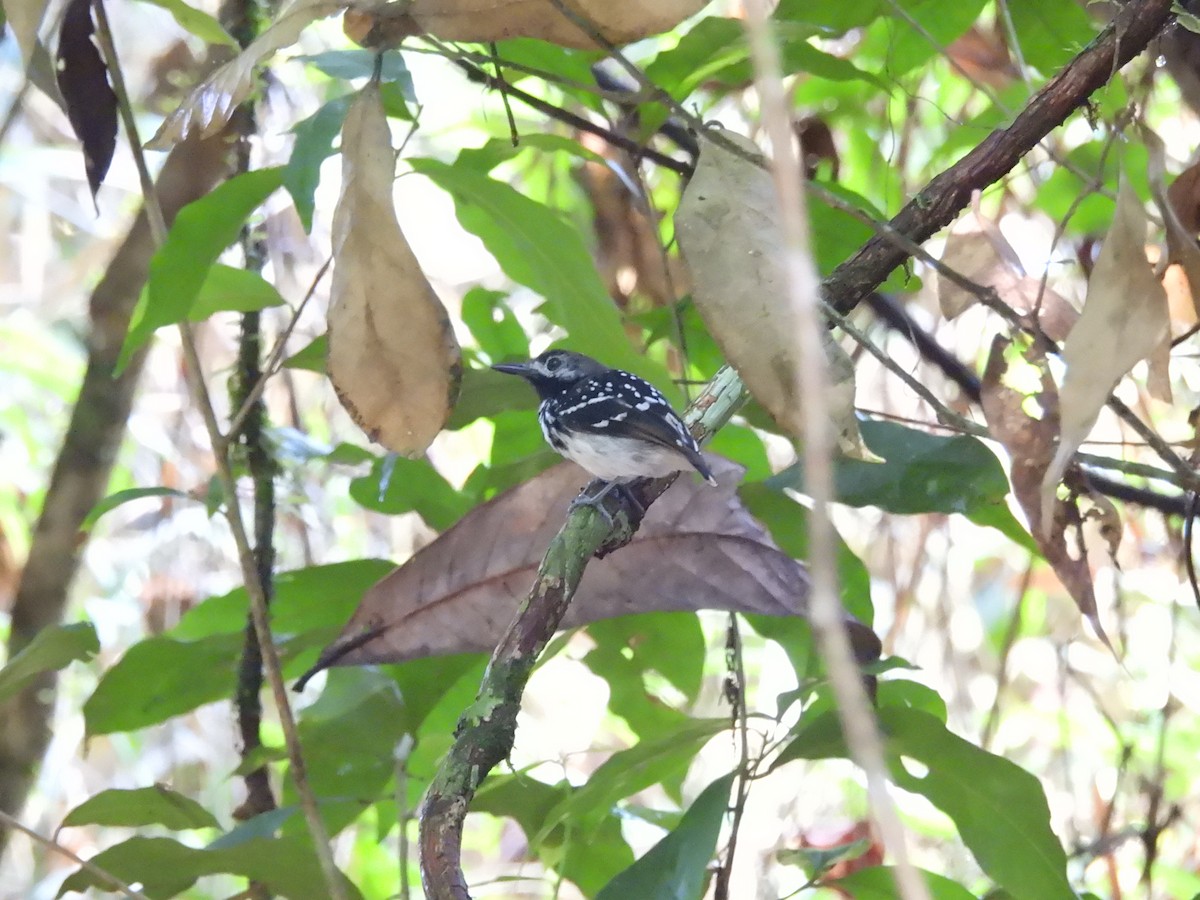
(555, 371)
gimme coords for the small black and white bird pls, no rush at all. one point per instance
(615, 425)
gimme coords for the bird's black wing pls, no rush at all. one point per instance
(631, 408)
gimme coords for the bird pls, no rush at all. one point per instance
(615, 425)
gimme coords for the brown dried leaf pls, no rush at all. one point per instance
(1179, 206)
(90, 101)
(976, 249)
(619, 21)
(393, 357)
(211, 103)
(729, 231)
(698, 548)
(1124, 318)
(1030, 444)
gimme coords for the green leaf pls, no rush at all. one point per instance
(166, 868)
(815, 860)
(201, 231)
(493, 325)
(346, 65)
(632, 770)
(311, 357)
(999, 809)
(833, 17)
(922, 473)
(676, 868)
(902, 47)
(228, 289)
(1050, 34)
(396, 485)
(536, 248)
(142, 806)
(485, 394)
(159, 678)
(879, 883)
(51, 649)
(196, 22)
(112, 501)
(314, 144)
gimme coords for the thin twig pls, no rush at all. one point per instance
(827, 614)
(735, 691)
(106, 877)
(254, 587)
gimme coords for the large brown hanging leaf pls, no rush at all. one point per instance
(698, 548)
(83, 81)
(211, 103)
(729, 232)
(1030, 445)
(1124, 318)
(619, 21)
(1179, 206)
(393, 357)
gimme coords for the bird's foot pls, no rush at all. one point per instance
(634, 511)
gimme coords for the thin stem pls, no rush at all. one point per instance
(803, 292)
(254, 586)
(106, 877)
(736, 692)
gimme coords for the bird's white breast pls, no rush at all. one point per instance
(615, 458)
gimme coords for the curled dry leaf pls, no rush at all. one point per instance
(729, 232)
(393, 357)
(211, 103)
(698, 548)
(977, 249)
(619, 21)
(83, 81)
(1179, 206)
(1030, 445)
(1124, 318)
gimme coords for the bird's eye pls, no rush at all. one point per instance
(553, 363)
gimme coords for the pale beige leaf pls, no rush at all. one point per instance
(1124, 318)
(25, 19)
(619, 21)
(211, 103)
(729, 231)
(393, 357)
(697, 548)
(1055, 314)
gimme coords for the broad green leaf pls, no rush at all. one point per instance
(411, 485)
(923, 473)
(879, 883)
(631, 647)
(832, 17)
(228, 289)
(486, 394)
(159, 678)
(112, 501)
(51, 649)
(902, 47)
(311, 357)
(815, 860)
(316, 597)
(493, 325)
(346, 65)
(195, 21)
(676, 868)
(1000, 810)
(166, 868)
(135, 808)
(201, 231)
(314, 144)
(536, 248)
(632, 770)
(1050, 34)
(787, 521)
(349, 735)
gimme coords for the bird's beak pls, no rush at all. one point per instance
(522, 369)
